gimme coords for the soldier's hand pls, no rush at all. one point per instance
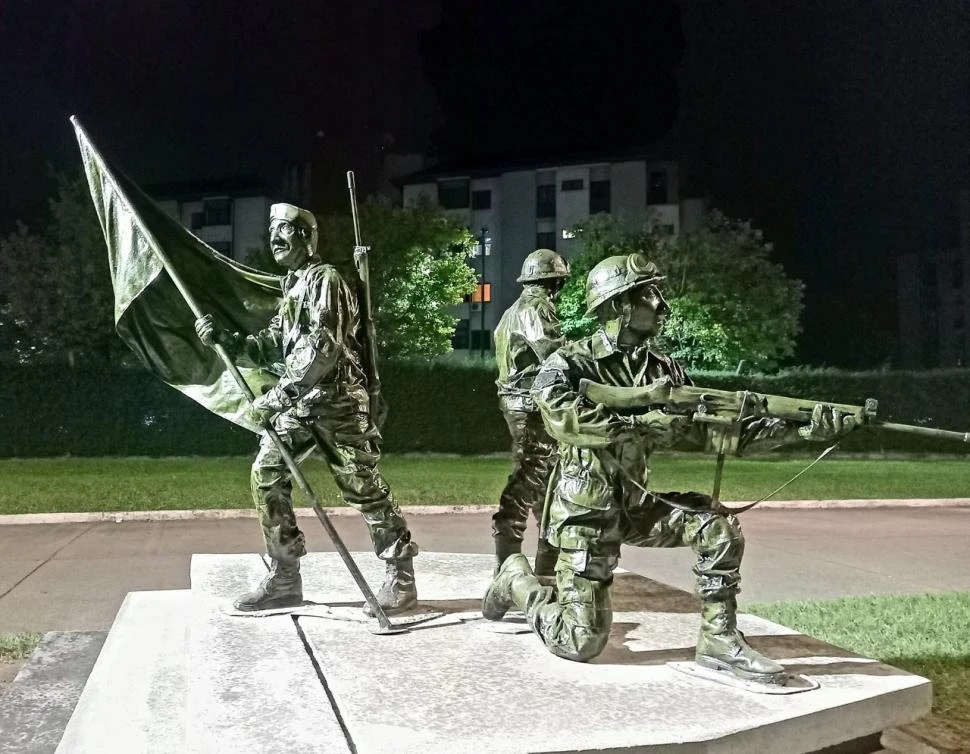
(660, 427)
(206, 330)
(828, 423)
(268, 405)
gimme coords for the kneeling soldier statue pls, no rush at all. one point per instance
(528, 332)
(320, 404)
(598, 499)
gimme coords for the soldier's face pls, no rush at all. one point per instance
(648, 312)
(290, 249)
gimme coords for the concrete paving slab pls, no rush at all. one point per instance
(37, 707)
(69, 595)
(253, 685)
(134, 700)
(13, 571)
(458, 679)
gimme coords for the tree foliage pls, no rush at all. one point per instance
(419, 270)
(729, 302)
(56, 283)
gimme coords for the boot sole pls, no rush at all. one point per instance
(397, 610)
(711, 663)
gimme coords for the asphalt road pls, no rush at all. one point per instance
(75, 576)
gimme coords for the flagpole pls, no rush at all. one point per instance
(292, 465)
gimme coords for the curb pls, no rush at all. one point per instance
(119, 517)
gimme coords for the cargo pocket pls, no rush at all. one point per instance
(585, 491)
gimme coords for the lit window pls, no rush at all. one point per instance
(567, 234)
(482, 292)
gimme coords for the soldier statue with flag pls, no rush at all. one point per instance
(321, 402)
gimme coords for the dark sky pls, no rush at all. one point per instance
(841, 128)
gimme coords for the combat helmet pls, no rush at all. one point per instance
(542, 264)
(614, 275)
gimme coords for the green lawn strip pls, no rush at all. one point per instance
(122, 484)
(17, 646)
(925, 634)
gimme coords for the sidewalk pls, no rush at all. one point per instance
(73, 576)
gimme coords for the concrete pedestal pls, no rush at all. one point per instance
(457, 683)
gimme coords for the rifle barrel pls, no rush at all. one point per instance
(942, 434)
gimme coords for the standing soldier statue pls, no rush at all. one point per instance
(527, 333)
(320, 403)
(598, 498)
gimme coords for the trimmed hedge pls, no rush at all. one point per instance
(438, 407)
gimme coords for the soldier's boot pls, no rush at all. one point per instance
(546, 557)
(721, 646)
(512, 586)
(282, 587)
(398, 592)
(504, 549)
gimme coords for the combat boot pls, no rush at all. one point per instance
(546, 557)
(282, 587)
(504, 549)
(721, 646)
(514, 579)
(398, 592)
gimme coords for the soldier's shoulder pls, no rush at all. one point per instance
(574, 351)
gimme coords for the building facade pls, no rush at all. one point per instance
(519, 208)
(933, 295)
(229, 215)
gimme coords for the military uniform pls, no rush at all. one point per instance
(320, 404)
(598, 496)
(313, 339)
(527, 333)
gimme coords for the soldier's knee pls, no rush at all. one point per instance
(585, 644)
(721, 530)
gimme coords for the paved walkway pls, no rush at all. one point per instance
(74, 576)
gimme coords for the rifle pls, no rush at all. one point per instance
(368, 333)
(723, 412)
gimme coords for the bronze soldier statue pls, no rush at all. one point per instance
(598, 498)
(528, 332)
(320, 403)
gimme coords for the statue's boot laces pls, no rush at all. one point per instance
(282, 587)
(398, 592)
(721, 646)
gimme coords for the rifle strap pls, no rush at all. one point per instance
(749, 506)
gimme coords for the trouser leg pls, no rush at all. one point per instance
(573, 622)
(717, 541)
(534, 456)
(272, 493)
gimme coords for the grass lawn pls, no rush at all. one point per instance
(925, 634)
(17, 646)
(122, 484)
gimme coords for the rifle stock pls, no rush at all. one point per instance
(724, 407)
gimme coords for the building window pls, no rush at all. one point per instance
(453, 194)
(546, 201)
(599, 196)
(482, 199)
(459, 341)
(223, 247)
(657, 192)
(482, 292)
(546, 240)
(481, 340)
(573, 184)
(198, 220)
(217, 211)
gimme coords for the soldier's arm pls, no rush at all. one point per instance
(568, 416)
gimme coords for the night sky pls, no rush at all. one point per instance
(841, 128)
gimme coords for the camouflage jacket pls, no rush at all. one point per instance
(312, 343)
(528, 332)
(602, 452)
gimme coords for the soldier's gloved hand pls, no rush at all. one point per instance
(828, 423)
(206, 330)
(660, 427)
(268, 405)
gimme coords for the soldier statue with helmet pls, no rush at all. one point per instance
(527, 333)
(598, 497)
(320, 403)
